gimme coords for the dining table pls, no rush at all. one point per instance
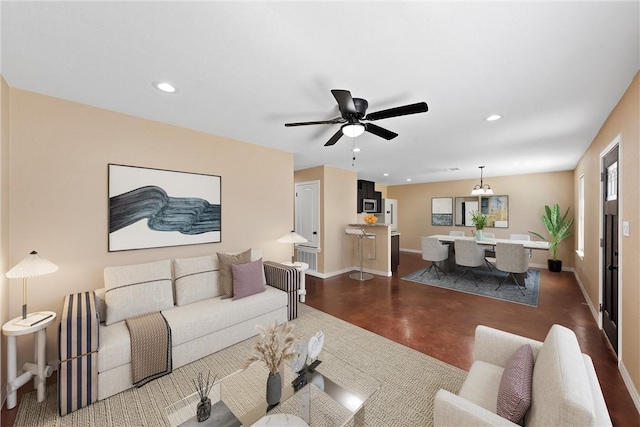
(449, 264)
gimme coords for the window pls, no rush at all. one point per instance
(581, 216)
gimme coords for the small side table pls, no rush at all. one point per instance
(38, 371)
(301, 267)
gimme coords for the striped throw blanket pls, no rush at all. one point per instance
(150, 347)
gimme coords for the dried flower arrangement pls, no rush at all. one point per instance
(204, 388)
(274, 346)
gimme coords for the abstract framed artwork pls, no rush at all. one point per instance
(497, 208)
(154, 208)
(442, 211)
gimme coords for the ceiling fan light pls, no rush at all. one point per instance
(353, 130)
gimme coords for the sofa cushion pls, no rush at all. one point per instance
(481, 385)
(561, 393)
(248, 279)
(133, 290)
(196, 279)
(201, 318)
(226, 274)
(514, 393)
(115, 346)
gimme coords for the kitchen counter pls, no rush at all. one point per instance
(377, 252)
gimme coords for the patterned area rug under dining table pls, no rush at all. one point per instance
(488, 281)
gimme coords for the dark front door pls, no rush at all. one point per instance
(610, 247)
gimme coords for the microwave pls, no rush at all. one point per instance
(369, 205)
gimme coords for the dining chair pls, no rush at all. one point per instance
(513, 259)
(489, 250)
(434, 251)
(469, 255)
(456, 233)
(526, 237)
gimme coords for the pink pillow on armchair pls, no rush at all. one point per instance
(514, 393)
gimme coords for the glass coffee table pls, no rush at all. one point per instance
(334, 393)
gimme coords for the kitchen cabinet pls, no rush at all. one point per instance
(367, 190)
(395, 252)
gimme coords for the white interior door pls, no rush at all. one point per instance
(307, 213)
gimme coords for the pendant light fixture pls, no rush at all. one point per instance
(482, 189)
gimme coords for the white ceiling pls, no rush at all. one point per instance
(553, 70)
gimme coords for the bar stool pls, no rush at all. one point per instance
(361, 276)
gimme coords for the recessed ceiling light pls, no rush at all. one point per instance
(165, 87)
(356, 150)
(385, 174)
(493, 118)
(408, 179)
(452, 169)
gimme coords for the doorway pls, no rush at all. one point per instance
(307, 212)
(610, 246)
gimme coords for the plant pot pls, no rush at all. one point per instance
(554, 265)
(478, 235)
(274, 388)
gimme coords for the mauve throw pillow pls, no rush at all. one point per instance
(514, 393)
(247, 279)
(226, 274)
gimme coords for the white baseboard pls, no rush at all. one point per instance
(630, 386)
(414, 251)
(594, 311)
(347, 270)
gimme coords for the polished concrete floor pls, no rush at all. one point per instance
(441, 323)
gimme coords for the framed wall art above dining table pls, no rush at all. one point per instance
(448, 211)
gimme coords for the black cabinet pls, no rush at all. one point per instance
(367, 190)
(395, 252)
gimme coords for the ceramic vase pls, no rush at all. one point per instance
(274, 388)
(203, 411)
(478, 235)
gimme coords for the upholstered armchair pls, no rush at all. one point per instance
(555, 385)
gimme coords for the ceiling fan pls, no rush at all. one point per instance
(352, 110)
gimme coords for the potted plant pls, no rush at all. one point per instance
(558, 228)
(479, 221)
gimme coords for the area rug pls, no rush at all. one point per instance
(408, 381)
(487, 284)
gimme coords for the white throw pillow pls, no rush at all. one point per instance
(196, 279)
(137, 289)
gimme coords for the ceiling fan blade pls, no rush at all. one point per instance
(334, 138)
(420, 107)
(381, 132)
(345, 101)
(321, 122)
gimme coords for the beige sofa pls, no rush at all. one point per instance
(564, 389)
(188, 294)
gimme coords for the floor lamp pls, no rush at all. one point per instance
(32, 266)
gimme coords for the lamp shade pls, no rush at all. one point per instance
(292, 237)
(32, 266)
(353, 130)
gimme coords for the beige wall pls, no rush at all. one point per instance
(4, 221)
(624, 120)
(528, 194)
(59, 202)
(338, 194)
